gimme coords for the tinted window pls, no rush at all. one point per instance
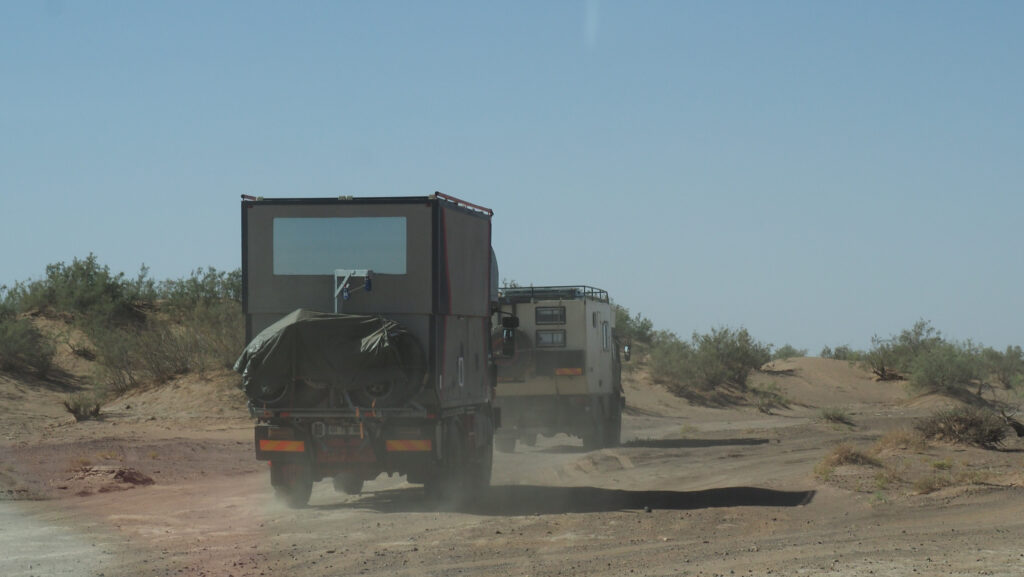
(319, 246)
(550, 338)
(550, 315)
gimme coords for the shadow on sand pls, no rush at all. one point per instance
(692, 443)
(518, 500)
(661, 444)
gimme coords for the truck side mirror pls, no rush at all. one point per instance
(508, 336)
(626, 352)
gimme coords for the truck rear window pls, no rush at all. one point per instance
(319, 246)
(550, 339)
(550, 315)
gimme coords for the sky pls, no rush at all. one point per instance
(815, 172)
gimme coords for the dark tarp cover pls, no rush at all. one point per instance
(373, 356)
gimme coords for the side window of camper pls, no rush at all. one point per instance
(606, 333)
(550, 338)
(550, 315)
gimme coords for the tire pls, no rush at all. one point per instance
(450, 485)
(596, 437)
(292, 482)
(348, 484)
(594, 440)
(505, 444)
(480, 470)
(614, 428)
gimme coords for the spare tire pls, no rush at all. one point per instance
(296, 361)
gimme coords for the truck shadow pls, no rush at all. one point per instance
(656, 444)
(519, 500)
(692, 443)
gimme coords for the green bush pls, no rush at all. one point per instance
(117, 361)
(841, 353)
(836, 415)
(670, 358)
(966, 425)
(1006, 368)
(723, 356)
(638, 328)
(22, 346)
(202, 287)
(892, 358)
(83, 288)
(946, 368)
(788, 351)
(218, 329)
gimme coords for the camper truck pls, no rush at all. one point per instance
(564, 374)
(369, 322)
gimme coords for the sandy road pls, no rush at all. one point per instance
(696, 492)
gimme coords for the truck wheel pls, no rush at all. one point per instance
(597, 435)
(614, 429)
(448, 486)
(594, 440)
(348, 483)
(480, 470)
(505, 444)
(292, 482)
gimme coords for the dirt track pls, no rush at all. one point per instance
(696, 492)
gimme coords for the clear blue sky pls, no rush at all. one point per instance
(817, 172)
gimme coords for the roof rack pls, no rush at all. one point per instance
(548, 293)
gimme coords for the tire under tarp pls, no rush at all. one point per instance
(299, 360)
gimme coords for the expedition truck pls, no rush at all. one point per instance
(369, 322)
(564, 375)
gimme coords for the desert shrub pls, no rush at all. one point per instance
(836, 415)
(22, 346)
(83, 406)
(202, 287)
(164, 350)
(931, 483)
(966, 425)
(946, 367)
(84, 287)
(881, 360)
(892, 358)
(841, 353)
(638, 329)
(219, 332)
(788, 351)
(1005, 368)
(198, 323)
(669, 358)
(769, 397)
(723, 356)
(903, 438)
(117, 364)
(164, 346)
(843, 454)
(727, 356)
